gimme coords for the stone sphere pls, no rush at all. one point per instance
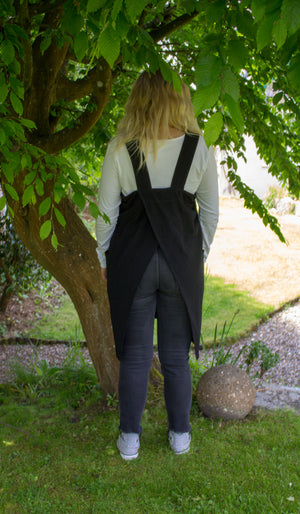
(225, 392)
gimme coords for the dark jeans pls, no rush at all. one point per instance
(157, 292)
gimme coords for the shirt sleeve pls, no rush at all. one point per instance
(208, 199)
(109, 199)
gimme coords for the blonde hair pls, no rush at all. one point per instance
(152, 107)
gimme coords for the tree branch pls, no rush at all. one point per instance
(54, 143)
(70, 90)
(164, 30)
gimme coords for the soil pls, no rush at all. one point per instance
(244, 252)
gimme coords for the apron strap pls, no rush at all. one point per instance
(141, 173)
(185, 160)
(182, 168)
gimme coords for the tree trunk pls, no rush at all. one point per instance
(76, 267)
(7, 288)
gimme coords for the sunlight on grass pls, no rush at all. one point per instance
(221, 302)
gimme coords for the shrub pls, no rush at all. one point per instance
(19, 272)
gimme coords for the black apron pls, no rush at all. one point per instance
(148, 219)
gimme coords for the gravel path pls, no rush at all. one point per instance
(281, 334)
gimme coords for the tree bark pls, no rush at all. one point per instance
(7, 288)
(75, 265)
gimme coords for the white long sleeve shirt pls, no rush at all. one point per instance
(118, 177)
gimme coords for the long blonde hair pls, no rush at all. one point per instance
(152, 107)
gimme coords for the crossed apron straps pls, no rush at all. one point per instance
(182, 168)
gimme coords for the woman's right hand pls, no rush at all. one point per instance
(104, 274)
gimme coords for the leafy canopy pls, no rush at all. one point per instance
(66, 68)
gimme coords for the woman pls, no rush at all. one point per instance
(152, 251)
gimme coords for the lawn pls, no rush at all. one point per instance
(58, 435)
(58, 454)
(222, 303)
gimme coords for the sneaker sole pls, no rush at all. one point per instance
(182, 451)
(129, 457)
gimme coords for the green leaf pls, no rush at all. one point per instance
(39, 187)
(45, 43)
(2, 137)
(24, 161)
(27, 195)
(264, 31)
(11, 212)
(116, 9)
(72, 22)
(293, 74)
(12, 192)
(291, 14)
(214, 10)
(206, 97)
(176, 82)
(213, 128)
(280, 32)
(109, 45)
(94, 5)
(207, 70)
(45, 229)
(235, 113)
(237, 53)
(135, 8)
(29, 178)
(45, 206)
(86, 190)
(3, 92)
(54, 241)
(153, 61)
(73, 175)
(81, 45)
(79, 200)
(60, 218)
(166, 71)
(245, 25)
(231, 84)
(276, 98)
(8, 170)
(15, 30)
(122, 25)
(28, 123)
(2, 202)
(258, 8)
(16, 103)
(7, 51)
(94, 210)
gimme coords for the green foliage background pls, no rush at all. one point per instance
(229, 53)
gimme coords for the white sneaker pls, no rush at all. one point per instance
(128, 445)
(179, 441)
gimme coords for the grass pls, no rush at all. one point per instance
(58, 434)
(58, 454)
(221, 302)
(61, 324)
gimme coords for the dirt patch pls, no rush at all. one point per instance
(250, 255)
(23, 311)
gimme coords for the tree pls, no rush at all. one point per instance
(65, 67)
